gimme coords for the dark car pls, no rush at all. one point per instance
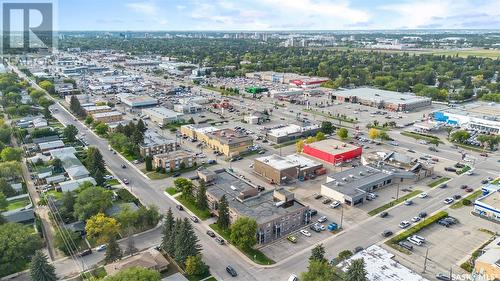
(194, 219)
(406, 245)
(484, 181)
(231, 271)
(459, 165)
(444, 185)
(180, 208)
(444, 223)
(175, 175)
(450, 169)
(85, 253)
(457, 196)
(422, 215)
(464, 186)
(220, 240)
(384, 214)
(123, 166)
(327, 200)
(210, 233)
(358, 249)
(451, 220)
(444, 277)
(386, 233)
(313, 212)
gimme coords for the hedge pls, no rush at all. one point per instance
(416, 228)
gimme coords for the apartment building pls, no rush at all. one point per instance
(229, 142)
(174, 160)
(108, 117)
(156, 144)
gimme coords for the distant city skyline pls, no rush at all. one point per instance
(270, 15)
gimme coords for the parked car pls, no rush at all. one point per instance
(414, 241)
(317, 196)
(423, 195)
(415, 219)
(464, 186)
(334, 204)
(305, 233)
(384, 214)
(322, 219)
(444, 277)
(220, 240)
(125, 181)
(85, 253)
(313, 212)
(469, 189)
(179, 207)
(386, 233)
(327, 200)
(450, 169)
(358, 249)
(194, 219)
(292, 238)
(231, 271)
(444, 223)
(406, 245)
(101, 248)
(457, 196)
(210, 233)
(422, 214)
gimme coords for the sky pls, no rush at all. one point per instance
(159, 15)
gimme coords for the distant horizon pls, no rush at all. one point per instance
(289, 30)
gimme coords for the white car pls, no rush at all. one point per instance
(415, 219)
(305, 232)
(448, 200)
(404, 224)
(423, 195)
(334, 204)
(101, 248)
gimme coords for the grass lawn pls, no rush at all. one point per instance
(438, 182)
(471, 197)
(112, 182)
(469, 147)
(394, 202)
(347, 120)
(171, 190)
(56, 194)
(463, 170)
(496, 181)
(419, 136)
(17, 203)
(292, 142)
(154, 175)
(254, 254)
(190, 204)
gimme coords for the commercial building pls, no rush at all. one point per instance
(400, 161)
(108, 117)
(332, 151)
(481, 117)
(351, 186)
(382, 99)
(487, 265)
(188, 108)
(256, 117)
(156, 144)
(488, 205)
(276, 211)
(291, 132)
(174, 160)
(285, 169)
(97, 109)
(380, 265)
(229, 142)
(198, 131)
(162, 115)
(136, 100)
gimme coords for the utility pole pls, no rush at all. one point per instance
(397, 193)
(425, 261)
(341, 214)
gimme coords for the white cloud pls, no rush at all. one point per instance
(149, 9)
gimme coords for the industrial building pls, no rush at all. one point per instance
(162, 116)
(481, 117)
(108, 117)
(276, 211)
(136, 100)
(382, 99)
(285, 169)
(156, 144)
(351, 186)
(174, 160)
(291, 132)
(488, 205)
(332, 151)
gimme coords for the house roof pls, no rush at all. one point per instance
(151, 259)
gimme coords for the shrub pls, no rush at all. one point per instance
(126, 196)
(416, 228)
(466, 202)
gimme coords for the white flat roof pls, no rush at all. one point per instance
(380, 265)
(291, 129)
(105, 114)
(162, 112)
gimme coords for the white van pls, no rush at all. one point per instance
(414, 241)
(420, 238)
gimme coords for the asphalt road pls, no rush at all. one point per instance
(362, 233)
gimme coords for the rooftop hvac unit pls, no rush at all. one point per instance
(278, 204)
(233, 188)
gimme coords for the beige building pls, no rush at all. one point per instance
(285, 169)
(198, 131)
(174, 160)
(156, 144)
(97, 109)
(107, 117)
(487, 265)
(229, 142)
(150, 259)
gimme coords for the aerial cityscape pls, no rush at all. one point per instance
(305, 140)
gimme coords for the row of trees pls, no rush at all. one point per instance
(487, 141)
(300, 143)
(126, 139)
(320, 269)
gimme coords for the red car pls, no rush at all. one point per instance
(484, 154)
(469, 189)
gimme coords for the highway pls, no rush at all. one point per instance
(362, 233)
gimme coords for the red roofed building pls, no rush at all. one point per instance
(332, 151)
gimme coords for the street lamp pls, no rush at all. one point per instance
(341, 215)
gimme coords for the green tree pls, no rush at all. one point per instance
(135, 274)
(342, 133)
(319, 271)
(40, 269)
(186, 242)
(70, 133)
(168, 238)
(101, 129)
(89, 120)
(11, 154)
(356, 271)
(6, 188)
(185, 186)
(141, 127)
(91, 201)
(57, 165)
(373, 133)
(94, 160)
(383, 135)
(318, 253)
(3, 202)
(149, 163)
(223, 219)
(18, 243)
(127, 217)
(201, 198)
(101, 228)
(345, 254)
(327, 127)
(47, 86)
(460, 136)
(434, 142)
(320, 136)
(64, 237)
(195, 266)
(243, 232)
(113, 251)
